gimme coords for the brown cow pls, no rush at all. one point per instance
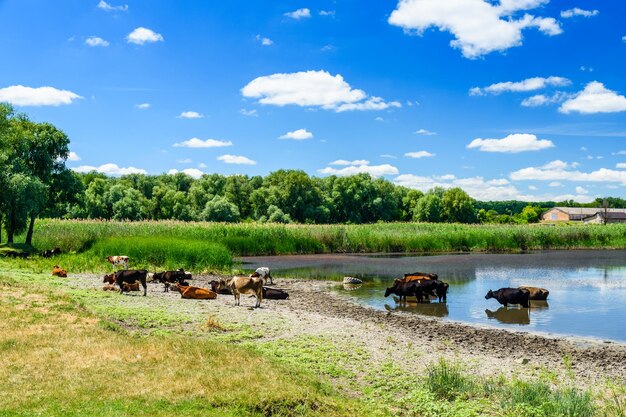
(130, 277)
(128, 286)
(416, 276)
(246, 285)
(109, 287)
(536, 293)
(194, 293)
(109, 279)
(57, 271)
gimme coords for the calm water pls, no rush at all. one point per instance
(587, 288)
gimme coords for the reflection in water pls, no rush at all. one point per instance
(510, 315)
(539, 304)
(352, 287)
(427, 309)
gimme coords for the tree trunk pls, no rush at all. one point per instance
(29, 235)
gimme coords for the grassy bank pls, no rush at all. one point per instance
(275, 239)
(74, 351)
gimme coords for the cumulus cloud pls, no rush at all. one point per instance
(20, 95)
(517, 142)
(373, 170)
(595, 98)
(249, 113)
(566, 14)
(73, 156)
(192, 172)
(581, 190)
(312, 89)
(96, 41)
(110, 169)
(482, 189)
(143, 106)
(620, 165)
(479, 26)
(103, 5)
(529, 84)
(300, 134)
(425, 132)
(299, 14)
(419, 154)
(236, 159)
(543, 100)
(264, 41)
(344, 162)
(141, 36)
(190, 115)
(561, 171)
(199, 143)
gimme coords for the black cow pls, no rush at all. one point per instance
(274, 294)
(130, 276)
(172, 277)
(506, 296)
(48, 253)
(403, 289)
(435, 288)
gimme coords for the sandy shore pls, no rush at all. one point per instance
(314, 310)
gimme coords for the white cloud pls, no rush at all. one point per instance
(264, 41)
(479, 26)
(73, 156)
(96, 41)
(595, 98)
(199, 143)
(299, 14)
(566, 14)
(249, 113)
(517, 142)
(425, 132)
(312, 89)
(202, 165)
(624, 38)
(141, 36)
(192, 172)
(184, 161)
(327, 13)
(373, 170)
(143, 106)
(103, 5)
(110, 169)
(529, 84)
(419, 154)
(379, 119)
(386, 155)
(19, 95)
(555, 184)
(532, 187)
(190, 115)
(581, 190)
(543, 100)
(620, 165)
(344, 162)
(620, 153)
(558, 171)
(300, 134)
(481, 189)
(235, 159)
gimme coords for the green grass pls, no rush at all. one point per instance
(274, 239)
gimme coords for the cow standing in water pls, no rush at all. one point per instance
(506, 296)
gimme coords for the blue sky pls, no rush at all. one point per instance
(509, 99)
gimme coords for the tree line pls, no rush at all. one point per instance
(36, 183)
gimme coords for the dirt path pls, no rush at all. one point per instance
(405, 338)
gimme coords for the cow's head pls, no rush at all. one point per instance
(388, 291)
(489, 295)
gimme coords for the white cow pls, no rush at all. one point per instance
(263, 272)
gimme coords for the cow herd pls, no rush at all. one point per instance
(424, 285)
(126, 280)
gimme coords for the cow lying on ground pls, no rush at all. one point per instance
(109, 287)
(16, 254)
(118, 260)
(128, 287)
(274, 294)
(263, 272)
(506, 296)
(194, 293)
(51, 252)
(171, 277)
(57, 271)
(130, 277)
(536, 293)
(246, 285)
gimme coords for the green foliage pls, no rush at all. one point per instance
(457, 206)
(447, 381)
(428, 209)
(220, 209)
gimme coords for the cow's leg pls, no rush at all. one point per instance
(145, 287)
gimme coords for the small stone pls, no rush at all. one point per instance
(524, 361)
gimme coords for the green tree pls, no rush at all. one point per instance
(27, 194)
(457, 206)
(428, 209)
(531, 214)
(220, 210)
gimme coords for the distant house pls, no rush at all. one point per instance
(611, 217)
(567, 214)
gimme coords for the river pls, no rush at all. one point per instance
(587, 288)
